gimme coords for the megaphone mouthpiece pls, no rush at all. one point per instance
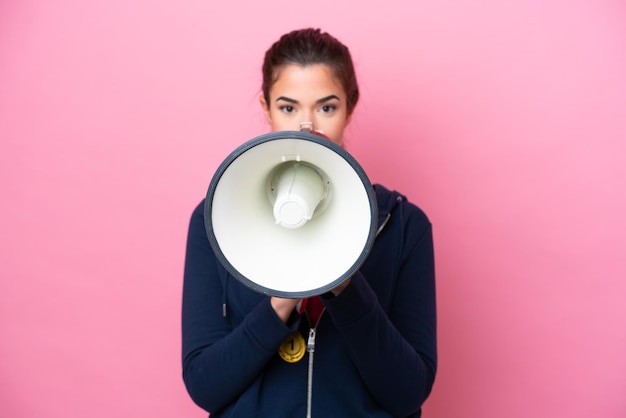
(299, 190)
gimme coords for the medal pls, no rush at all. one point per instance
(293, 349)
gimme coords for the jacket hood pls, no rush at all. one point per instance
(387, 201)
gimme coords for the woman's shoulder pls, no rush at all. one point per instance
(391, 200)
(199, 209)
(196, 221)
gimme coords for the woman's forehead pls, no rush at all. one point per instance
(309, 78)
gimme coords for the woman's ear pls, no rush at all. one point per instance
(266, 109)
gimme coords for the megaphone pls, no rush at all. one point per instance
(290, 214)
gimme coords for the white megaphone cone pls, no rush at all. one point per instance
(290, 214)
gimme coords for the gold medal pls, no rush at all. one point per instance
(293, 349)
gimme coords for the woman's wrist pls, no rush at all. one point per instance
(283, 307)
(337, 290)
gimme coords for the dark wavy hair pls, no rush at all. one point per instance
(308, 47)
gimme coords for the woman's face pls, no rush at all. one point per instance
(307, 94)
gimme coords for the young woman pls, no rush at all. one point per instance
(375, 344)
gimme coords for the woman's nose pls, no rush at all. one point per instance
(306, 116)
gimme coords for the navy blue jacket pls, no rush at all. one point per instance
(375, 352)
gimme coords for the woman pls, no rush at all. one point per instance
(375, 339)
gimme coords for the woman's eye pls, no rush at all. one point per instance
(287, 109)
(328, 108)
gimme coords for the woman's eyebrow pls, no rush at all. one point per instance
(327, 98)
(319, 101)
(287, 99)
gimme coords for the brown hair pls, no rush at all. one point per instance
(308, 47)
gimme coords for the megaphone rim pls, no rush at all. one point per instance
(287, 135)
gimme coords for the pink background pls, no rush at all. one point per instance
(504, 121)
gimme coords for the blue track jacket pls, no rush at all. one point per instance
(375, 346)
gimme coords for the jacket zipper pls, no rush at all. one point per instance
(309, 388)
(310, 346)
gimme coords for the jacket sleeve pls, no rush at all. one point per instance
(219, 360)
(395, 352)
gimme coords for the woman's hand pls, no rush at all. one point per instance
(283, 307)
